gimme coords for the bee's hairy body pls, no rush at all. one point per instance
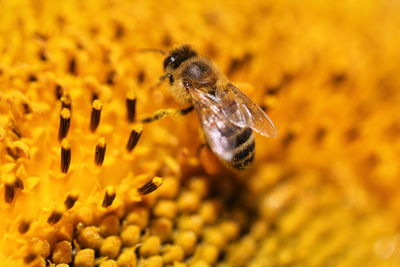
(185, 69)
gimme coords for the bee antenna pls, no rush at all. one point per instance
(152, 50)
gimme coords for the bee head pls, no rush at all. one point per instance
(177, 56)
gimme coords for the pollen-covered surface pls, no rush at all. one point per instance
(325, 193)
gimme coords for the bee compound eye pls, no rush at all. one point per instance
(168, 60)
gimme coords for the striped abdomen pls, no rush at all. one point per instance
(232, 144)
(242, 144)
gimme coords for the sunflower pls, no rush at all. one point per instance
(84, 183)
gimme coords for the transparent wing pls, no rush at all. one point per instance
(218, 130)
(240, 110)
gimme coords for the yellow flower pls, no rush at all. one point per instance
(83, 183)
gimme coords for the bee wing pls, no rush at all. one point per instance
(216, 127)
(243, 112)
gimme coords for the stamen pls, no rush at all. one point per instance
(59, 91)
(21, 149)
(27, 108)
(11, 184)
(110, 79)
(95, 116)
(131, 106)
(16, 131)
(109, 197)
(32, 78)
(72, 66)
(30, 257)
(66, 101)
(70, 200)
(95, 96)
(24, 227)
(19, 183)
(65, 121)
(150, 186)
(55, 216)
(134, 138)
(65, 155)
(141, 76)
(11, 152)
(100, 152)
(9, 192)
(42, 55)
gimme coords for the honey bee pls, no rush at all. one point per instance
(228, 117)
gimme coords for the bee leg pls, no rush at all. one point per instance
(208, 159)
(202, 137)
(159, 82)
(186, 84)
(162, 79)
(170, 78)
(167, 113)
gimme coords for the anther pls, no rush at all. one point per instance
(32, 78)
(59, 91)
(95, 96)
(110, 79)
(9, 192)
(109, 197)
(16, 131)
(69, 202)
(119, 31)
(141, 76)
(42, 55)
(11, 184)
(65, 155)
(131, 106)
(150, 186)
(55, 216)
(19, 183)
(65, 121)
(66, 101)
(21, 149)
(30, 257)
(100, 152)
(134, 138)
(24, 227)
(72, 69)
(95, 116)
(11, 152)
(27, 108)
